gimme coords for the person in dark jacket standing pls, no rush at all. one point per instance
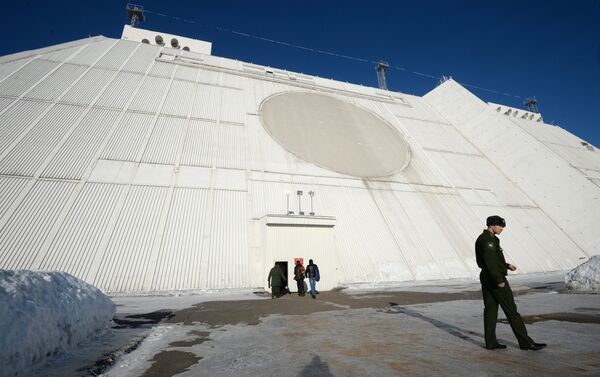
(276, 280)
(299, 277)
(312, 271)
(495, 288)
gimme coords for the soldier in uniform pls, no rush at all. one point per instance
(276, 280)
(495, 288)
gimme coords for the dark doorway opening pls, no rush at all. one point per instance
(284, 269)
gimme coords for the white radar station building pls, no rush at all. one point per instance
(147, 164)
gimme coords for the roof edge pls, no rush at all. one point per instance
(44, 50)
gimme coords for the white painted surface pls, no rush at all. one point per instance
(138, 173)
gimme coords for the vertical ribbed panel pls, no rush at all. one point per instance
(77, 242)
(142, 58)
(78, 151)
(22, 80)
(92, 52)
(150, 94)
(441, 137)
(4, 102)
(9, 190)
(161, 69)
(88, 87)
(179, 99)
(8, 68)
(227, 254)
(128, 137)
(16, 119)
(208, 77)
(179, 261)
(206, 104)
(61, 55)
(198, 149)
(125, 262)
(119, 91)
(165, 141)
(117, 55)
(34, 148)
(55, 84)
(186, 73)
(232, 106)
(235, 81)
(22, 237)
(230, 146)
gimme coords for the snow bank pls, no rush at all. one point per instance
(585, 277)
(44, 313)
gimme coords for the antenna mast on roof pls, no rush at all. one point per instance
(380, 68)
(531, 104)
(135, 13)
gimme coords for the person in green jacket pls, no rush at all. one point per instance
(495, 288)
(276, 280)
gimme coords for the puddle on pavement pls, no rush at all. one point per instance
(200, 337)
(140, 320)
(170, 363)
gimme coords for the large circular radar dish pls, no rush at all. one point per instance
(334, 134)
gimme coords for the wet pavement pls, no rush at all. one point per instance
(420, 330)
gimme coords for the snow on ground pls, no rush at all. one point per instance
(146, 303)
(43, 314)
(585, 277)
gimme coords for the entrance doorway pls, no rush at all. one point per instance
(284, 268)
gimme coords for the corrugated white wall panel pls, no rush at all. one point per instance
(358, 248)
(179, 262)
(93, 51)
(128, 137)
(23, 236)
(232, 106)
(438, 136)
(160, 69)
(79, 150)
(179, 99)
(119, 91)
(8, 68)
(230, 146)
(209, 77)
(56, 83)
(206, 103)
(4, 102)
(117, 55)
(78, 241)
(226, 258)
(27, 156)
(125, 262)
(166, 140)
(186, 73)
(199, 149)
(86, 89)
(23, 79)
(62, 54)
(141, 58)
(14, 121)
(149, 96)
(10, 188)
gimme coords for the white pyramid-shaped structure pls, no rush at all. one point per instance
(143, 167)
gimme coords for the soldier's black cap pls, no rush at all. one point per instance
(495, 220)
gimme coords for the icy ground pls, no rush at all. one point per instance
(44, 314)
(585, 277)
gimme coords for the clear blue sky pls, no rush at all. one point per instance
(550, 50)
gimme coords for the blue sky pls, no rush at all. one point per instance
(510, 49)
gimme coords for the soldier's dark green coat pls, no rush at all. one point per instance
(490, 259)
(276, 280)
